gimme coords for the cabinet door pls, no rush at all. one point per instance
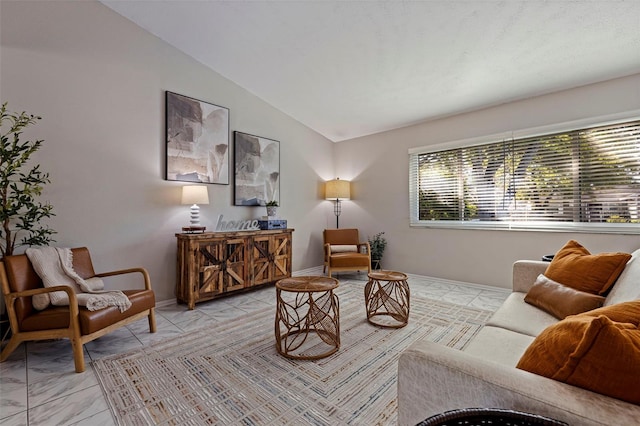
(211, 265)
(281, 252)
(221, 266)
(262, 265)
(271, 258)
(235, 276)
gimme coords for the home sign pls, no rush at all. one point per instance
(236, 225)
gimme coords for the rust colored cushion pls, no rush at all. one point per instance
(620, 312)
(342, 260)
(560, 300)
(594, 353)
(575, 267)
(341, 236)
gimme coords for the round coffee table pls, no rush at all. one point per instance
(387, 294)
(307, 317)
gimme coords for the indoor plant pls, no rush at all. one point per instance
(272, 208)
(377, 244)
(20, 212)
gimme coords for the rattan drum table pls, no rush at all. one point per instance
(387, 295)
(307, 317)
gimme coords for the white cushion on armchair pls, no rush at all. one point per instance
(345, 248)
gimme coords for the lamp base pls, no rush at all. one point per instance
(193, 229)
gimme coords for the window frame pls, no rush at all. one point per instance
(508, 225)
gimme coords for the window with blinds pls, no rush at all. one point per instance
(586, 179)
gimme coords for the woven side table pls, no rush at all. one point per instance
(387, 294)
(307, 317)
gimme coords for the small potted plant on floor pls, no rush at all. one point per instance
(377, 244)
(272, 208)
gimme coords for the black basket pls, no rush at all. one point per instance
(489, 416)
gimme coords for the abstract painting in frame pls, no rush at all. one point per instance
(197, 137)
(257, 170)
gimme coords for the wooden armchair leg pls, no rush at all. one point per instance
(12, 344)
(152, 320)
(78, 354)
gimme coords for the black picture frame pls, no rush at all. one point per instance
(256, 169)
(197, 140)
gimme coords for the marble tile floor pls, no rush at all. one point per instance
(39, 386)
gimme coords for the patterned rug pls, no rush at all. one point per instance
(232, 375)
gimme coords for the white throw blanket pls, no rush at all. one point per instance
(55, 267)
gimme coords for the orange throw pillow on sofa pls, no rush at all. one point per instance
(593, 353)
(620, 312)
(561, 300)
(575, 267)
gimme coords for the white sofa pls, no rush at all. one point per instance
(433, 378)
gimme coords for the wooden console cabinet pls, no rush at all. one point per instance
(215, 263)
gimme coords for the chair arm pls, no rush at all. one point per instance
(327, 249)
(10, 300)
(143, 271)
(368, 247)
(42, 290)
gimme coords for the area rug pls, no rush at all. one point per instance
(232, 374)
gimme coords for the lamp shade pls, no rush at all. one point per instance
(337, 189)
(195, 194)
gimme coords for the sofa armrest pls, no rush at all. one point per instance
(433, 379)
(525, 273)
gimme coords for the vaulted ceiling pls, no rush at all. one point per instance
(352, 68)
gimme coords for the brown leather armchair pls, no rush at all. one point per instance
(343, 251)
(76, 323)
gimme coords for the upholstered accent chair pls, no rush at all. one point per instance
(343, 251)
(20, 283)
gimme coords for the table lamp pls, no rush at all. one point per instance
(194, 195)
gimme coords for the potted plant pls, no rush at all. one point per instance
(272, 208)
(377, 244)
(20, 185)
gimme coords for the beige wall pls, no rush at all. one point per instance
(98, 81)
(378, 166)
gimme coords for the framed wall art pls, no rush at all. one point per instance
(197, 138)
(257, 170)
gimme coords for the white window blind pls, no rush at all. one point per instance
(586, 179)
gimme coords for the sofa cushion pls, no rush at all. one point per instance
(621, 312)
(41, 301)
(575, 267)
(594, 353)
(499, 345)
(518, 316)
(560, 300)
(627, 287)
